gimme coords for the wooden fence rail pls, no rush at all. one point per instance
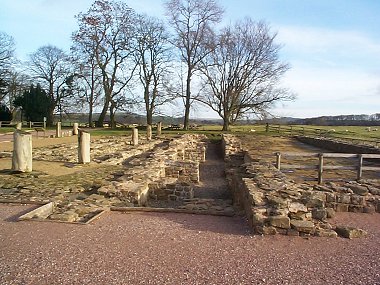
(320, 167)
(342, 136)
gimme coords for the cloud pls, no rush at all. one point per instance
(336, 48)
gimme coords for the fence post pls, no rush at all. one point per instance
(30, 124)
(360, 167)
(279, 128)
(303, 130)
(320, 169)
(278, 160)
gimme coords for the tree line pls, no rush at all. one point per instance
(120, 59)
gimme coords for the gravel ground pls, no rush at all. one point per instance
(153, 248)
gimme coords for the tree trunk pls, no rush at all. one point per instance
(102, 115)
(90, 116)
(50, 117)
(149, 117)
(187, 101)
(226, 125)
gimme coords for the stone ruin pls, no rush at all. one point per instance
(166, 173)
(275, 204)
(160, 170)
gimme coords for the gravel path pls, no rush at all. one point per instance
(152, 248)
(213, 184)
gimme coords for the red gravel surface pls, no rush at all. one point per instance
(154, 248)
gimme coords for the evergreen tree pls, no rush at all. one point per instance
(35, 103)
(5, 113)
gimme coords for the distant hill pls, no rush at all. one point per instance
(341, 120)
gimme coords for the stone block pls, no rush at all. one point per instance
(357, 200)
(370, 209)
(350, 232)
(267, 230)
(344, 198)
(355, 208)
(326, 233)
(302, 226)
(330, 213)
(341, 207)
(319, 214)
(282, 222)
(330, 197)
(360, 190)
(295, 207)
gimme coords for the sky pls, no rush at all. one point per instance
(332, 46)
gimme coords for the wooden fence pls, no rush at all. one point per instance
(27, 124)
(343, 136)
(320, 167)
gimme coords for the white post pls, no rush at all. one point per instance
(75, 129)
(148, 132)
(22, 151)
(58, 131)
(84, 141)
(19, 126)
(159, 127)
(135, 136)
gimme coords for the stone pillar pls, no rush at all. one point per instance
(58, 131)
(75, 129)
(19, 126)
(84, 140)
(22, 151)
(159, 127)
(135, 136)
(148, 132)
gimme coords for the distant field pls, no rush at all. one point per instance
(343, 132)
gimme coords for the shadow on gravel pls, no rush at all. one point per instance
(206, 223)
(14, 218)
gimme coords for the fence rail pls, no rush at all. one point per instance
(345, 137)
(320, 167)
(27, 124)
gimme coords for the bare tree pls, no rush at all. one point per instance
(88, 83)
(51, 66)
(192, 21)
(7, 49)
(19, 82)
(106, 31)
(242, 73)
(153, 56)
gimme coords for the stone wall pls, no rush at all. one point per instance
(165, 173)
(275, 204)
(338, 146)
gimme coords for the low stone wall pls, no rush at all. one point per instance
(338, 146)
(275, 204)
(162, 174)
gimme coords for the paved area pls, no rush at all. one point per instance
(153, 248)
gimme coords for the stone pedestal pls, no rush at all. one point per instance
(135, 136)
(58, 131)
(84, 143)
(148, 132)
(159, 127)
(75, 129)
(22, 151)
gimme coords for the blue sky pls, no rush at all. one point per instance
(333, 46)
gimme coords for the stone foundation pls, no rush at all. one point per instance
(275, 204)
(165, 173)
